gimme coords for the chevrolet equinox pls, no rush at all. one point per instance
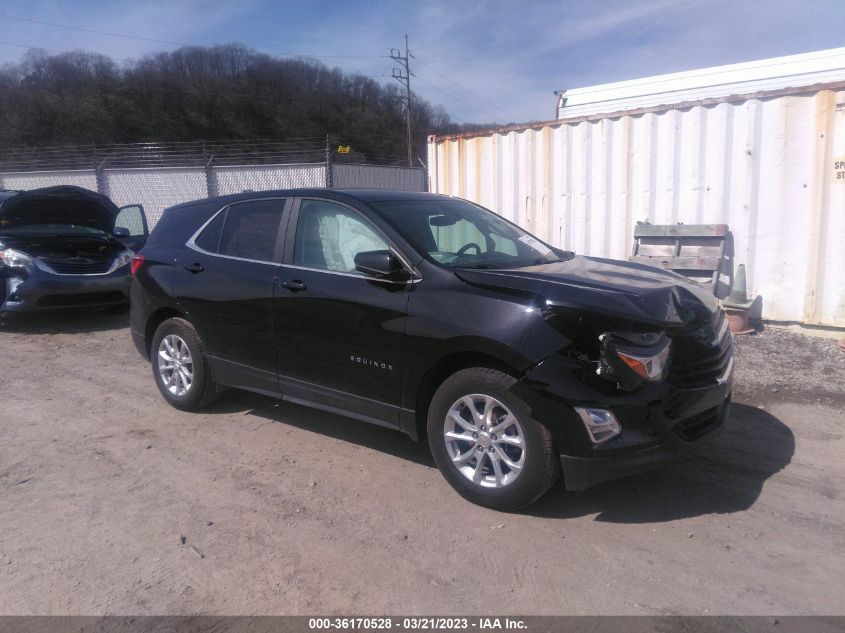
(517, 361)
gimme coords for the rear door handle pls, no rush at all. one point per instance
(293, 286)
(194, 268)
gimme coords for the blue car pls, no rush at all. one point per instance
(66, 247)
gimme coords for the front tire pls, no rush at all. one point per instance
(485, 442)
(180, 367)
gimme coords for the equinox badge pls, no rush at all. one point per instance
(360, 360)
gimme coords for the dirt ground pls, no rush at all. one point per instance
(111, 502)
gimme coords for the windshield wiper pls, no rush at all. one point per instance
(476, 266)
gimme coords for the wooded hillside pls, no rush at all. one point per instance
(219, 93)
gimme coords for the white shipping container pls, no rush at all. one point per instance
(770, 165)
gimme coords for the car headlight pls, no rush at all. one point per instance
(650, 368)
(124, 259)
(633, 358)
(15, 259)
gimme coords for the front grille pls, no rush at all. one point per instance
(81, 299)
(700, 357)
(80, 266)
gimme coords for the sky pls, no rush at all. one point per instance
(483, 60)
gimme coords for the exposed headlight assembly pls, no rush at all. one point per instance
(634, 358)
(15, 259)
(123, 259)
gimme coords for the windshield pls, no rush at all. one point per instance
(460, 234)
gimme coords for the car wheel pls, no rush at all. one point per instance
(486, 443)
(179, 366)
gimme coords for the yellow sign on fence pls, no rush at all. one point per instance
(343, 149)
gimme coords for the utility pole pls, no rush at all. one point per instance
(403, 76)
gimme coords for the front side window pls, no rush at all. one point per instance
(459, 234)
(329, 235)
(250, 230)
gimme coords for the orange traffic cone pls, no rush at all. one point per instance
(736, 305)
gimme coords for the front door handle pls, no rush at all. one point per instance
(294, 285)
(194, 268)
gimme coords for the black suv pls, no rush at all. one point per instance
(436, 317)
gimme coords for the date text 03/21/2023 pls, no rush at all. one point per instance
(416, 623)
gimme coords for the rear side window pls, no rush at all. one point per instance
(177, 224)
(251, 230)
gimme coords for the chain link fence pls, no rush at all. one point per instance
(353, 176)
(24, 181)
(162, 175)
(225, 180)
(156, 188)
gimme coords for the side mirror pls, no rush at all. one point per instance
(381, 264)
(120, 231)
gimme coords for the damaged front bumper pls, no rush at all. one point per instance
(580, 473)
(660, 422)
(34, 290)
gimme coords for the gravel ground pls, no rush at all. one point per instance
(782, 365)
(114, 503)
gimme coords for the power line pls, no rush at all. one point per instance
(84, 30)
(158, 41)
(464, 88)
(453, 96)
(30, 48)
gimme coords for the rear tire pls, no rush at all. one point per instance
(485, 442)
(180, 367)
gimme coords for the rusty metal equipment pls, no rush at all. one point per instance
(737, 305)
(693, 250)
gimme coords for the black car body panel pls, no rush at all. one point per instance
(66, 248)
(628, 290)
(375, 349)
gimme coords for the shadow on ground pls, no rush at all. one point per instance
(71, 321)
(361, 433)
(724, 476)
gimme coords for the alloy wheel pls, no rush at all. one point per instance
(175, 365)
(485, 441)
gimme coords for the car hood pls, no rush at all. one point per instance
(58, 205)
(626, 290)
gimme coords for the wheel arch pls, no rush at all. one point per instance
(157, 318)
(441, 370)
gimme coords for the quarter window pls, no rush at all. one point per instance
(328, 236)
(251, 230)
(209, 239)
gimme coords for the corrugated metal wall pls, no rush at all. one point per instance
(764, 166)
